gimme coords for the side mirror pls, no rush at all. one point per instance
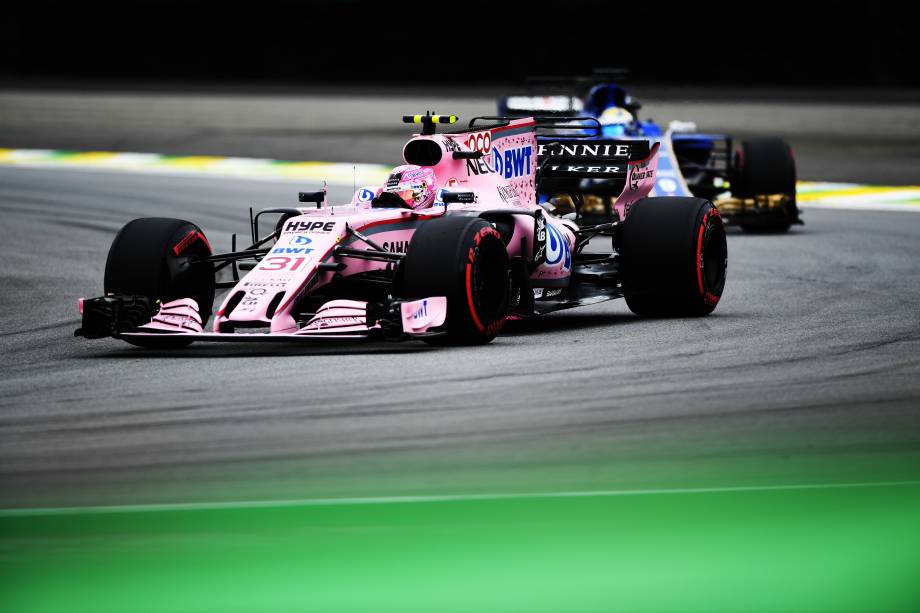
(459, 197)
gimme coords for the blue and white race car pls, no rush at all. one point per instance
(752, 185)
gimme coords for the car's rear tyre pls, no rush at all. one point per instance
(464, 259)
(766, 166)
(673, 256)
(153, 257)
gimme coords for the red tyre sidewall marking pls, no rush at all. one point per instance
(188, 240)
(496, 325)
(708, 297)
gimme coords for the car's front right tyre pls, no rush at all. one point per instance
(155, 257)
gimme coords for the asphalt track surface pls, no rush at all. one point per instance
(806, 373)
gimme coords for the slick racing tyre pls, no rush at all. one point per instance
(464, 259)
(673, 256)
(152, 257)
(766, 166)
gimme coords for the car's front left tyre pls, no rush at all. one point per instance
(464, 259)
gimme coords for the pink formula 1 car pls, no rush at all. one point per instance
(449, 249)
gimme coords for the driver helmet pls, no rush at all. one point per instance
(614, 115)
(414, 184)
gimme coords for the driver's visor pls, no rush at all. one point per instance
(407, 195)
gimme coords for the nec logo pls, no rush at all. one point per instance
(309, 226)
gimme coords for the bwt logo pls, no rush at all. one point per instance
(291, 250)
(296, 240)
(512, 163)
(422, 311)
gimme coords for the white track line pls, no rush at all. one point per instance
(381, 500)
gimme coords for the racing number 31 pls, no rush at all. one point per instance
(280, 263)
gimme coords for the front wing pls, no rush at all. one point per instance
(128, 318)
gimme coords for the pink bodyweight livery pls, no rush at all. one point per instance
(450, 248)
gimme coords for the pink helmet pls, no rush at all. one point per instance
(414, 184)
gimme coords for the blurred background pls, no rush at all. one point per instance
(301, 43)
(327, 80)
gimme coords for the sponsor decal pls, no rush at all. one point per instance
(396, 247)
(422, 311)
(338, 321)
(309, 226)
(266, 283)
(365, 195)
(539, 241)
(480, 141)
(439, 197)
(413, 174)
(626, 208)
(453, 182)
(508, 194)
(292, 250)
(587, 169)
(394, 179)
(639, 171)
(478, 167)
(451, 145)
(512, 162)
(296, 240)
(557, 248)
(597, 150)
(252, 299)
(638, 174)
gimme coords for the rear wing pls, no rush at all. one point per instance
(572, 147)
(594, 159)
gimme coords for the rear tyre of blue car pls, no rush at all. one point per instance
(766, 166)
(673, 257)
(152, 257)
(464, 259)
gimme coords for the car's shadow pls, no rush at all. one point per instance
(794, 231)
(267, 349)
(568, 321)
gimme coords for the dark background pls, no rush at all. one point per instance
(295, 42)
